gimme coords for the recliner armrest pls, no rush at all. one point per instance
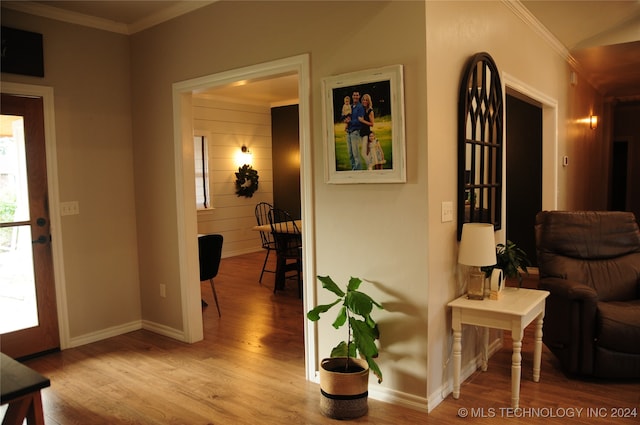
(568, 289)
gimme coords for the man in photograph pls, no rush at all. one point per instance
(353, 131)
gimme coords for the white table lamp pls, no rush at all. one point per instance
(477, 249)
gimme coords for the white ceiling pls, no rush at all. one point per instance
(602, 37)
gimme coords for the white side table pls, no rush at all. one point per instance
(516, 308)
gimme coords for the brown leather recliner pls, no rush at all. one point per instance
(590, 263)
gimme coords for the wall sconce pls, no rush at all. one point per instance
(593, 122)
(244, 156)
(477, 249)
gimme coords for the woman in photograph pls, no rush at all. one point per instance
(366, 122)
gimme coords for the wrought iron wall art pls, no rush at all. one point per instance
(480, 125)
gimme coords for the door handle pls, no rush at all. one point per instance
(42, 240)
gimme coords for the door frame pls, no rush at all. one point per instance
(521, 90)
(46, 93)
(185, 193)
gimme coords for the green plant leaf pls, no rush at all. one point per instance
(373, 366)
(354, 284)
(364, 337)
(340, 350)
(360, 303)
(341, 319)
(330, 285)
(314, 314)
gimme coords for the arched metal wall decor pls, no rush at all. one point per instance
(480, 124)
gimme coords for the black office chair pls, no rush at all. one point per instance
(210, 253)
(288, 247)
(268, 243)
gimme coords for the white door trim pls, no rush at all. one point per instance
(550, 160)
(185, 193)
(46, 93)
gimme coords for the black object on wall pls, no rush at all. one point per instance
(524, 173)
(285, 142)
(22, 52)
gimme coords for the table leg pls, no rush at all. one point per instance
(485, 349)
(281, 268)
(537, 351)
(457, 360)
(28, 407)
(516, 366)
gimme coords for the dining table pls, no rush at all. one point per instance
(285, 227)
(288, 228)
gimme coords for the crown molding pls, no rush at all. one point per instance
(532, 22)
(58, 14)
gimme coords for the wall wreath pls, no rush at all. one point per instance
(246, 181)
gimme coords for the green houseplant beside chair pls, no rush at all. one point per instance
(344, 376)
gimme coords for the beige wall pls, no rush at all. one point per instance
(227, 126)
(390, 234)
(89, 72)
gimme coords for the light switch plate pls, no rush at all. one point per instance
(447, 211)
(69, 208)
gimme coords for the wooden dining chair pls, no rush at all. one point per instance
(262, 218)
(210, 253)
(288, 239)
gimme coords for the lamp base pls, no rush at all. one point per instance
(475, 285)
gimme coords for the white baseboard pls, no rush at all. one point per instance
(164, 330)
(104, 334)
(398, 398)
(125, 328)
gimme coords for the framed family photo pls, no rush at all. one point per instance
(364, 126)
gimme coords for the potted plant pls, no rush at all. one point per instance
(344, 377)
(510, 259)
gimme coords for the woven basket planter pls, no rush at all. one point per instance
(343, 395)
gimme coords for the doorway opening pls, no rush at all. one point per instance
(548, 181)
(185, 174)
(52, 330)
(620, 163)
(523, 171)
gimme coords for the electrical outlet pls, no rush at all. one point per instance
(163, 290)
(447, 211)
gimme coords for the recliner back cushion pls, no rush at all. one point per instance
(598, 248)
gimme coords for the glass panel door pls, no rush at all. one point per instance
(18, 307)
(28, 313)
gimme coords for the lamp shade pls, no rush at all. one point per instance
(478, 245)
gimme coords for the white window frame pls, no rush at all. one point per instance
(201, 162)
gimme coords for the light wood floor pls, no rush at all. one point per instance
(250, 370)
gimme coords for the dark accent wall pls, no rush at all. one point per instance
(524, 173)
(286, 159)
(626, 128)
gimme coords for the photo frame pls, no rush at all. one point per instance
(377, 158)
